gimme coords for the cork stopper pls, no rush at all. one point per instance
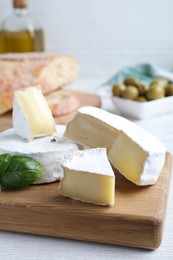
(19, 4)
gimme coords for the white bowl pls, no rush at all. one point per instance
(143, 110)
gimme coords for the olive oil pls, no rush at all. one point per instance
(17, 42)
(21, 32)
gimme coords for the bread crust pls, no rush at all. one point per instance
(19, 71)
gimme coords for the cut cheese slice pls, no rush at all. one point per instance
(136, 153)
(49, 151)
(88, 177)
(32, 116)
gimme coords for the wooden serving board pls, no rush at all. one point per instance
(136, 219)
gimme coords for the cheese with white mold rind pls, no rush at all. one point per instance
(32, 116)
(136, 153)
(88, 177)
(49, 151)
(136, 164)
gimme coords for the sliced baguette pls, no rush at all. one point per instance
(62, 102)
(19, 71)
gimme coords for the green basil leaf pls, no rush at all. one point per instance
(4, 162)
(21, 172)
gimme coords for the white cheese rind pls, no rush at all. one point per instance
(122, 138)
(88, 177)
(49, 154)
(153, 165)
(32, 116)
(89, 160)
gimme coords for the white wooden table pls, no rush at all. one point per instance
(16, 246)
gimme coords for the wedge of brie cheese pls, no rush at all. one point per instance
(31, 114)
(88, 177)
(136, 153)
(48, 150)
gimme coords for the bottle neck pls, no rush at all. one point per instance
(20, 11)
(20, 7)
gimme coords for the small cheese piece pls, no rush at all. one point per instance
(88, 177)
(136, 153)
(48, 150)
(32, 116)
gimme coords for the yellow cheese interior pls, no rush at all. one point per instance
(88, 187)
(36, 111)
(92, 132)
(127, 157)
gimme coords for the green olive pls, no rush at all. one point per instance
(141, 99)
(169, 90)
(132, 81)
(142, 89)
(131, 92)
(117, 89)
(155, 92)
(161, 81)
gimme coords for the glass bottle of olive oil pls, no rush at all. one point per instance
(20, 31)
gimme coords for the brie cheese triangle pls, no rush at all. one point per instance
(136, 153)
(32, 116)
(88, 177)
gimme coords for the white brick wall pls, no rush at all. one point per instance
(105, 35)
